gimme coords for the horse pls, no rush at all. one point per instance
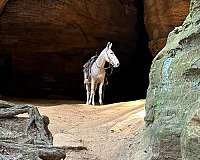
(97, 73)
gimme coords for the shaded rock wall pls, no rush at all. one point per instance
(172, 108)
(45, 43)
(161, 17)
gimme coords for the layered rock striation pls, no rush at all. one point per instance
(161, 17)
(172, 108)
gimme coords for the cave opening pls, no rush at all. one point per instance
(131, 80)
(41, 71)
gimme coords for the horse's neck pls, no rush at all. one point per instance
(101, 61)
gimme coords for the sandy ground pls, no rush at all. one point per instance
(107, 132)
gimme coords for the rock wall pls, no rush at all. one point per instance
(161, 17)
(2, 5)
(172, 108)
(45, 43)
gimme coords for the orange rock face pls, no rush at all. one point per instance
(161, 17)
(46, 26)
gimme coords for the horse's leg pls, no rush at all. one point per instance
(100, 92)
(85, 78)
(92, 93)
(88, 92)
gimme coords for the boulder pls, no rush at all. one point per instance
(172, 108)
(26, 138)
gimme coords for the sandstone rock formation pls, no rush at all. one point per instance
(172, 109)
(26, 138)
(161, 17)
(45, 43)
(2, 5)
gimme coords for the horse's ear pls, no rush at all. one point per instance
(108, 44)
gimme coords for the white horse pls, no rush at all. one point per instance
(97, 73)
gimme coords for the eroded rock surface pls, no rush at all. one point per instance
(26, 138)
(172, 108)
(161, 17)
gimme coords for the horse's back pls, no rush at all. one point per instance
(90, 62)
(87, 68)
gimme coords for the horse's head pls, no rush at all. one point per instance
(110, 56)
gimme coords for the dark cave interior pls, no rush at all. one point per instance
(131, 80)
(126, 83)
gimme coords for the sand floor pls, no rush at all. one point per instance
(103, 132)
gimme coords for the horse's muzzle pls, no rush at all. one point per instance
(116, 65)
